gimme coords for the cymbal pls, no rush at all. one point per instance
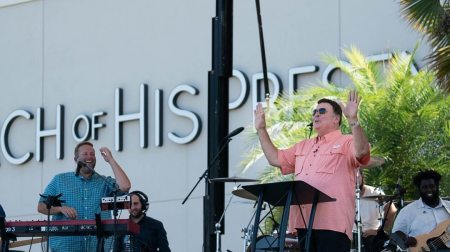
(374, 162)
(244, 194)
(233, 179)
(379, 198)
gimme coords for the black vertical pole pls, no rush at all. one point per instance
(218, 99)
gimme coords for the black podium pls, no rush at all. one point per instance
(281, 194)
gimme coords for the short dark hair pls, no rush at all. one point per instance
(336, 107)
(427, 174)
(75, 152)
(143, 198)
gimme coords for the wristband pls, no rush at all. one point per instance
(353, 124)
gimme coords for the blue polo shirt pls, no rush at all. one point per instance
(85, 196)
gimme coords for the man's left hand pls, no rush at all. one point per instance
(106, 154)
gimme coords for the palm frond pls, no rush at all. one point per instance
(440, 62)
(432, 18)
(422, 14)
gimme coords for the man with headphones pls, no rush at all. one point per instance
(152, 236)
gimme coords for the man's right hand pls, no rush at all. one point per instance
(270, 151)
(69, 212)
(260, 117)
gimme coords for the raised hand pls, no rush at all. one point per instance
(106, 154)
(260, 117)
(350, 110)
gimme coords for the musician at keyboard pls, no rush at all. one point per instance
(82, 191)
(152, 236)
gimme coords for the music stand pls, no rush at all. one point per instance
(50, 201)
(280, 194)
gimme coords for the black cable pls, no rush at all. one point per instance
(263, 53)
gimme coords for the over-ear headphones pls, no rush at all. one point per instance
(142, 198)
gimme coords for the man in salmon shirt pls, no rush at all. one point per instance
(327, 162)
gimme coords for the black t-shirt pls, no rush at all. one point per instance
(151, 238)
(2, 212)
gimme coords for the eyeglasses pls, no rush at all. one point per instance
(321, 111)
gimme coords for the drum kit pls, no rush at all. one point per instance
(375, 243)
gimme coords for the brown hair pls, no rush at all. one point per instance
(75, 152)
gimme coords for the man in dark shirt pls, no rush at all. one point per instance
(152, 236)
(2, 212)
(4, 244)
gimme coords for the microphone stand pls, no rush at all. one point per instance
(401, 193)
(248, 231)
(51, 201)
(205, 173)
(3, 235)
(218, 226)
(358, 211)
(115, 209)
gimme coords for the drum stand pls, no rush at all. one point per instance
(358, 209)
(247, 237)
(218, 226)
(248, 233)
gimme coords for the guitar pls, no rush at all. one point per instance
(436, 239)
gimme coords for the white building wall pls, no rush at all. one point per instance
(76, 53)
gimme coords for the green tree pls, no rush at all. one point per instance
(405, 115)
(432, 18)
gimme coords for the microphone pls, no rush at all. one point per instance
(79, 165)
(234, 133)
(310, 126)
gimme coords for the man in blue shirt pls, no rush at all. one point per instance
(81, 192)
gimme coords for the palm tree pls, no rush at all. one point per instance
(432, 17)
(406, 118)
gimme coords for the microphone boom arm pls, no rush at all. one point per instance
(205, 173)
